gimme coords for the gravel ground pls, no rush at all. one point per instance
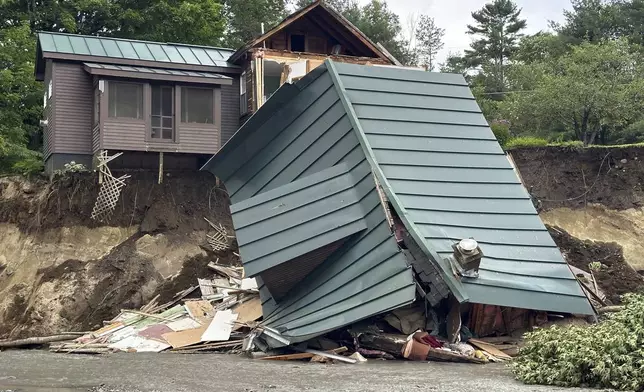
(39, 371)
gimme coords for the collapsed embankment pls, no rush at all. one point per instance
(594, 197)
(61, 271)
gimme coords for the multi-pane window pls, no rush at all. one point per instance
(197, 105)
(125, 100)
(162, 112)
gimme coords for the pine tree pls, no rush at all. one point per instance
(429, 40)
(499, 27)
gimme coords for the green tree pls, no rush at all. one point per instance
(589, 20)
(540, 47)
(20, 101)
(592, 91)
(429, 40)
(498, 27)
(244, 18)
(199, 22)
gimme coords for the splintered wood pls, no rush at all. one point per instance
(219, 240)
(110, 190)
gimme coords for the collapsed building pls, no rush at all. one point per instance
(359, 189)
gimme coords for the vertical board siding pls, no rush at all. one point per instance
(229, 110)
(74, 96)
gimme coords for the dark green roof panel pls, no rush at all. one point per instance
(82, 45)
(449, 179)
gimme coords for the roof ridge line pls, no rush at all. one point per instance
(455, 285)
(132, 40)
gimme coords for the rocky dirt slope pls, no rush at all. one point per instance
(595, 199)
(61, 271)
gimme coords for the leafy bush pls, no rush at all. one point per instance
(633, 133)
(605, 355)
(71, 167)
(525, 141)
(501, 132)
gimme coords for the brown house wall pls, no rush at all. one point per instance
(229, 110)
(48, 130)
(73, 96)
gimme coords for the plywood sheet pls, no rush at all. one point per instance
(185, 338)
(249, 310)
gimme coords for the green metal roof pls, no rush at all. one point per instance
(425, 139)
(449, 179)
(156, 71)
(306, 211)
(115, 48)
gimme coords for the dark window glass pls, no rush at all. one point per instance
(297, 43)
(162, 120)
(125, 100)
(197, 105)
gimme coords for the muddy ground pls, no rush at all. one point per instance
(63, 271)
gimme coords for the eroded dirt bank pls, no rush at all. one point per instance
(61, 271)
(593, 194)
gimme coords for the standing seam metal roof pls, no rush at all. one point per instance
(448, 178)
(84, 45)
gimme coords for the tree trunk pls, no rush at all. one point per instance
(584, 127)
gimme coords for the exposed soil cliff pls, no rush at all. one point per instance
(61, 271)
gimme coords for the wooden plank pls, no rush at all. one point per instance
(199, 309)
(249, 310)
(185, 338)
(489, 348)
(296, 356)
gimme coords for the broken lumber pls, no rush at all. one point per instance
(305, 355)
(392, 344)
(436, 354)
(36, 340)
(489, 348)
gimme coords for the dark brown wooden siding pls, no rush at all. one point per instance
(48, 130)
(124, 134)
(73, 96)
(230, 110)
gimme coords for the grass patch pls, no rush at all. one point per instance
(525, 141)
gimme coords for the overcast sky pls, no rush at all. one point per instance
(454, 15)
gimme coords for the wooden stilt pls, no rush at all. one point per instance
(160, 167)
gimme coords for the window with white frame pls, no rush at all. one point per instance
(243, 98)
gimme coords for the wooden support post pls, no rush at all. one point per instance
(160, 167)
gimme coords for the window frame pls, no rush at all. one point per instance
(110, 91)
(175, 106)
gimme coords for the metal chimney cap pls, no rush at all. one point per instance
(468, 245)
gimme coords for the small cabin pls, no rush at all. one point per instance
(145, 98)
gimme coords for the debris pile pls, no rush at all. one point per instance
(218, 320)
